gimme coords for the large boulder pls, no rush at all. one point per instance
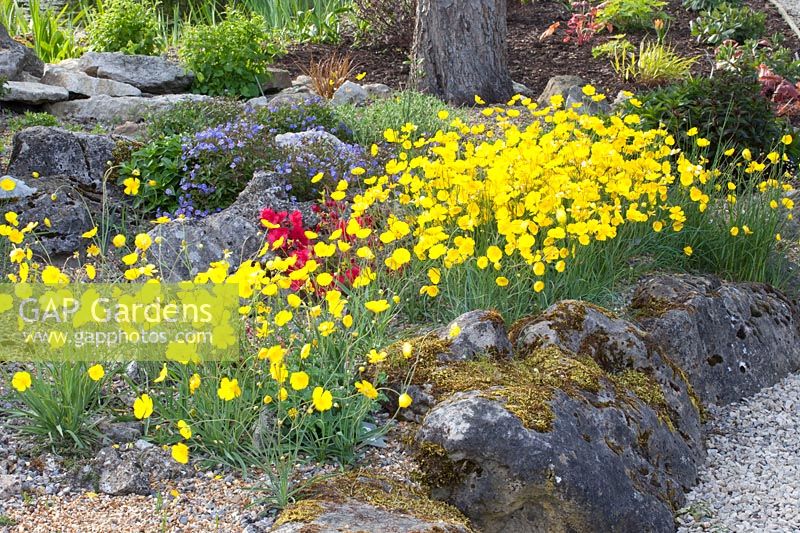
(32, 93)
(480, 334)
(80, 84)
(185, 247)
(51, 151)
(731, 339)
(350, 93)
(150, 74)
(110, 110)
(69, 191)
(17, 59)
(580, 431)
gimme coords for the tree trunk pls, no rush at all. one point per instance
(459, 50)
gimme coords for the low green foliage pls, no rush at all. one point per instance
(61, 406)
(159, 164)
(630, 15)
(31, 119)
(229, 57)
(406, 107)
(189, 116)
(53, 32)
(727, 109)
(729, 22)
(128, 26)
(314, 113)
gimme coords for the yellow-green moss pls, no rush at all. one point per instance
(302, 511)
(376, 490)
(647, 390)
(435, 464)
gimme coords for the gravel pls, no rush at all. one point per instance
(751, 479)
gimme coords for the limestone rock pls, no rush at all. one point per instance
(16, 58)
(20, 190)
(481, 333)
(53, 151)
(119, 474)
(185, 248)
(559, 85)
(10, 486)
(82, 85)
(106, 109)
(731, 339)
(350, 93)
(366, 518)
(150, 74)
(587, 428)
(277, 79)
(377, 90)
(32, 93)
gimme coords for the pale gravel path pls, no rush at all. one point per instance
(751, 479)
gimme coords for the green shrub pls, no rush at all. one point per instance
(31, 119)
(190, 116)
(421, 110)
(729, 22)
(128, 26)
(707, 5)
(158, 166)
(727, 109)
(230, 57)
(630, 15)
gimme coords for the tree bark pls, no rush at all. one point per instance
(459, 50)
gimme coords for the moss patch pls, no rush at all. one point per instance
(302, 511)
(647, 390)
(374, 489)
(436, 467)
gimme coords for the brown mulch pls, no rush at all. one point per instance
(533, 62)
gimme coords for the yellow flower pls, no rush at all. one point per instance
(399, 257)
(734, 231)
(322, 399)
(501, 281)
(267, 399)
(52, 275)
(589, 90)
(404, 400)
(538, 286)
(702, 142)
(279, 372)
(283, 394)
(377, 306)
(367, 389)
(298, 380)
(143, 407)
(161, 375)
(96, 372)
(283, 317)
(455, 331)
(375, 357)
(786, 139)
(361, 76)
(131, 186)
(688, 250)
(305, 351)
(89, 234)
(691, 132)
(479, 100)
(118, 240)
(194, 383)
(229, 389)
(184, 429)
(443, 115)
(7, 184)
(180, 452)
(12, 218)
(21, 381)
(143, 241)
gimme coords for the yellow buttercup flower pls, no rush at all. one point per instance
(96, 372)
(404, 401)
(21, 381)
(143, 407)
(367, 389)
(184, 429)
(322, 399)
(229, 389)
(180, 452)
(299, 380)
